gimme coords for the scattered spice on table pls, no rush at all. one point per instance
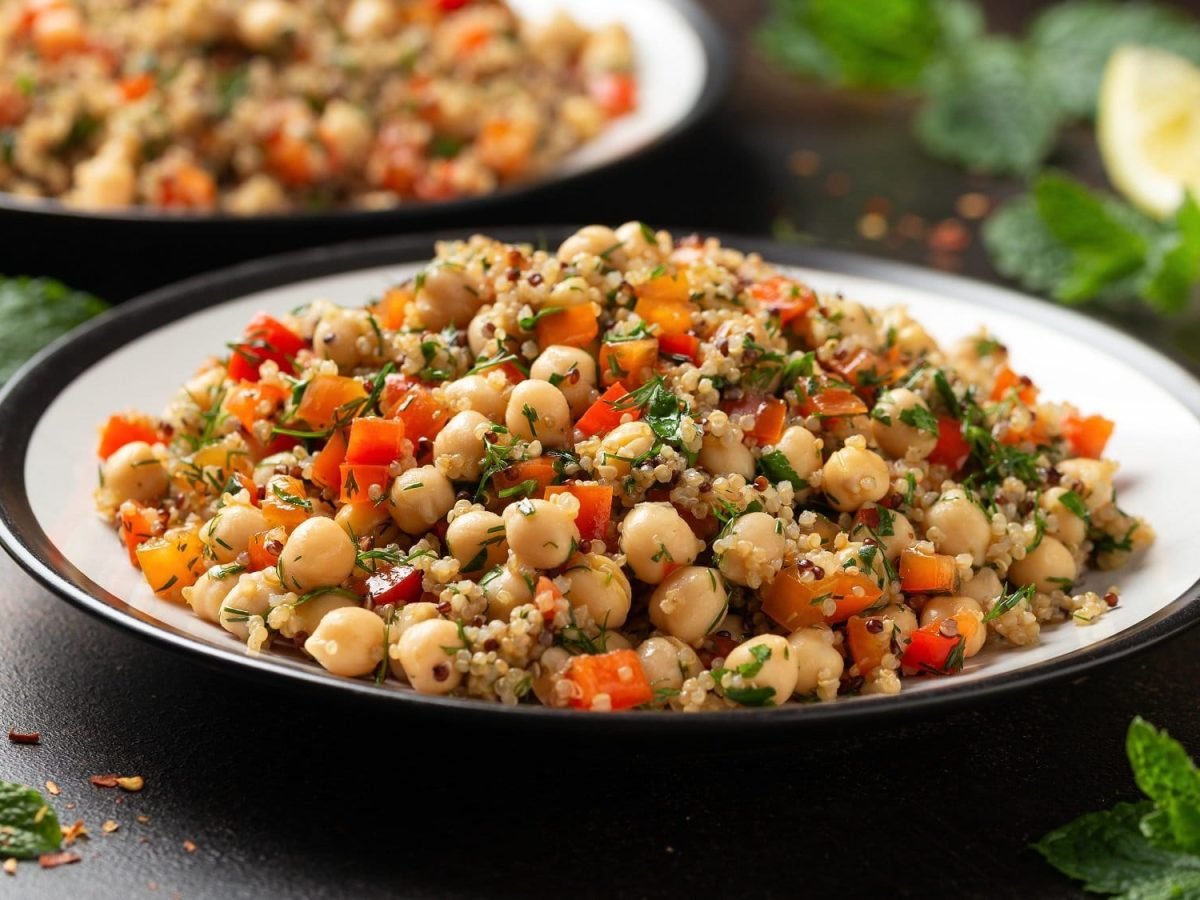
(143, 819)
(10, 866)
(131, 783)
(61, 858)
(189, 846)
(72, 833)
(104, 781)
(110, 825)
(53, 788)
(24, 737)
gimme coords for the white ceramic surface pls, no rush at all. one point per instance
(1155, 442)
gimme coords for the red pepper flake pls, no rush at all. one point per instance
(72, 833)
(189, 846)
(53, 788)
(949, 236)
(61, 858)
(104, 781)
(24, 737)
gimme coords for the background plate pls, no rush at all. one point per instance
(136, 356)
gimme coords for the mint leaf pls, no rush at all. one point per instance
(1102, 248)
(1109, 853)
(1071, 43)
(986, 109)
(1023, 249)
(776, 467)
(28, 826)
(1166, 774)
(867, 43)
(33, 313)
(1174, 268)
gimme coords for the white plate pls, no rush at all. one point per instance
(681, 65)
(156, 343)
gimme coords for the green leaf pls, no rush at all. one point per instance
(1071, 43)
(776, 467)
(1174, 268)
(867, 43)
(1108, 852)
(986, 109)
(1166, 774)
(33, 313)
(751, 696)
(28, 826)
(1103, 249)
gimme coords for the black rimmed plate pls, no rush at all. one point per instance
(136, 356)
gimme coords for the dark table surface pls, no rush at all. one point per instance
(254, 790)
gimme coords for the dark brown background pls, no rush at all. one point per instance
(285, 794)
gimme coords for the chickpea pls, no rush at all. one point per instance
(753, 549)
(896, 436)
(854, 476)
(802, 450)
(593, 240)
(776, 668)
(249, 597)
(228, 533)
(419, 499)
(405, 618)
(1049, 567)
(541, 533)
(572, 291)
(366, 19)
(538, 410)
(1071, 529)
(943, 607)
(476, 540)
(478, 393)
(894, 532)
(725, 458)
(551, 667)
(573, 369)
(903, 619)
(134, 472)
(632, 235)
(690, 604)
(963, 526)
(819, 665)
(506, 588)
(423, 654)
(346, 130)
(667, 662)
(655, 538)
(106, 180)
(626, 442)
(598, 583)
(614, 640)
(458, 447)
(208, 594)
(337, 333)
(481, 333)
(348, 641)
(262, 23)
(446, 297)
(1095, 476)
(983, 586)
(362, 519)
(317, 554)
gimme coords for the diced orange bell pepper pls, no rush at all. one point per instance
(630, 362)
(327, 466)
(329, 399)
(264, 338)
(603, 416)
(187, 187)
(390, 309)
(293, 159)
(794, 603)
(1087, 435)
(869, 639)
(413, 403)
(769, 414)
(862, 368)
(1007, 380)
(285, 502)
(506, 145)
(617, 675)
(834, 402)
(121, 430)
(527, 478)
(933, 651)
(614, 92)
(595, 507)
(575, 326)
(138, 524)
(250, 401)
(172, 562)
(375, 441)
(264, 549)
(784, 297)
(359, 478)
(135, 87)
(924, 573)
(663, 301)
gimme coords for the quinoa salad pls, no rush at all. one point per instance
(633, 471)
(270, 106)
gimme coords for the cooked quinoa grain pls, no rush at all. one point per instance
(630, 471)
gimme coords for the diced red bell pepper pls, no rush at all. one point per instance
(1007, 379)
(614, 92)
(264, 548)
(679, 346)
(397, 585)
(413, 404)
(1087, 435)
(769, 415)
(375, 441)
(951, 449)
(595, 507)
(927, 573)
(264, 338)
(603, 416)
(358, 479)
(931, 650)
(617, 674)
(121, 430)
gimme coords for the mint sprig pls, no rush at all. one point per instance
(1144, 850)
(28, 826)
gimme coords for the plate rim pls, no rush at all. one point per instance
(24, 398)
(718, 73)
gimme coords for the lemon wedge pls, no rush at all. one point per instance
(1148, 127)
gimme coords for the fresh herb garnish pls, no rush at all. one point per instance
(28, 826)
(776, 467)
(34, 312)
(1009, 602)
